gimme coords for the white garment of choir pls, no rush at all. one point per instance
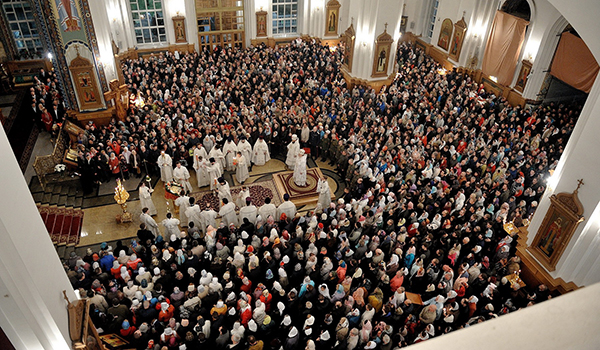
(300, 169)
(246, 149)
(182, 176)
(229, 150)
(241, 169)
(183, 202)
(324, 193)
(166, 167)
(260, 153)
(146, 200)
(292, 154)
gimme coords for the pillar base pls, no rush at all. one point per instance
(533, 273)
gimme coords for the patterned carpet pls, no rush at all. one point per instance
(63, 225)
(258, 192)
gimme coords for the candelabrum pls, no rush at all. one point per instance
(121, 197)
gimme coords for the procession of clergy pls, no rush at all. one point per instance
(233, 157)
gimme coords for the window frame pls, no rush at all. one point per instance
(287, 24)
(148, 27)
(31, 42)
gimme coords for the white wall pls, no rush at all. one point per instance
(33, 312)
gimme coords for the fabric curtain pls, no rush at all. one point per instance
(574, 63)
(504, 46)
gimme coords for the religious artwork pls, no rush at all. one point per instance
(457, 39)
(179, 25)
(333, 11)
(561, 220)
(84, 81)
(348, 39)
(68, 15)
(383, 47)
(445, 34)
(403, 23)
(261, 23)
(523, 75)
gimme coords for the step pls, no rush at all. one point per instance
(49, 188)
(46, 198)
(64, 191)
(72, 191)
(78, 202)
(35, 186)
(62, 201)
(54, 199)
(38, 196)
(70, 201)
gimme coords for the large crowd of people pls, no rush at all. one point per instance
(434, 166)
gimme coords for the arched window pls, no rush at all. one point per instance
(148, 21)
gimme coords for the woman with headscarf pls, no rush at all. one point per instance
(326, 267)
(342, 329)
(339, 293)
(291, 341)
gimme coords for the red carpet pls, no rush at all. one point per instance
(63, 225)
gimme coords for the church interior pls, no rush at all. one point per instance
(360, 174)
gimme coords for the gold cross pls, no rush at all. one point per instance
(386, 26)
(579, 184)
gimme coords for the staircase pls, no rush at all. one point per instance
(60, 194)
(63, 224)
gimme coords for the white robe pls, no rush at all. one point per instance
(217, 154)
(288, 208)
(324, 193)
(193, 215)
(229, 150)
(166, 167)
(228, 215)
(268, 210)
(214, 172)
(208, 217)
(246, 149)
(241, 197)
(300, 171)
(241, 170)
(292, 154)
(183, 203)
(182, 176)
(225, 192)
(249, 212)
(151, 224)
(146, 200)
(171, 228)
(260, 154)
(201, 166)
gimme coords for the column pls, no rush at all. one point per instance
(102, 25)
(33, 313)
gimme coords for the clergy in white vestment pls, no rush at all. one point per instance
(300, 169)
(292, 153)
(201, 167)
(260, 153)
(246, 149)
(150, 223)
(248, 211)
(324, 192)
(183, 202)
(287, 207)
(229, 150)
(268, 209)
(227, 213)
(242, 196)
(208, 217)
(224, 191)
(218, 155)
(214, 172)
(241, 168)
(146, 198)
(182, 176)
(165, 163)
(171, 226)
(193, 212)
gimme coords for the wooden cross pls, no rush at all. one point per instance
(579, 184)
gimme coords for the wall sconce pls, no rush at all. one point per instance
(493, 78)
(49, 55)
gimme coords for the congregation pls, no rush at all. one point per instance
(433, 166)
